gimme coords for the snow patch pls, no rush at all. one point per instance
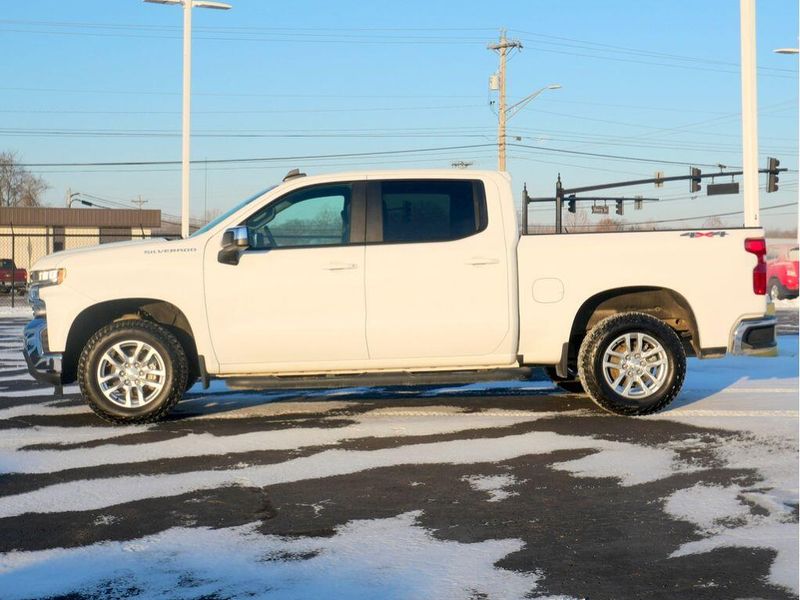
(14, 439)
(707, 505)
(632, 466)
(194, 444)
(494, 485)
(81, 495)
(47, 408)
(389, 558)
(23, 311)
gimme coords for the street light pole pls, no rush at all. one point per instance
(187, 117)
(188, 5)
(747, 23)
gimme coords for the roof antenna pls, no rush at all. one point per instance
(293, 173)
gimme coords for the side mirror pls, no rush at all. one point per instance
(234, 240)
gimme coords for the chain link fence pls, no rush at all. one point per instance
(19, 251)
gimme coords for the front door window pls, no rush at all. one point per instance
(316, 216)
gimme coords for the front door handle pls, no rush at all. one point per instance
(340, 266)
(477, 261)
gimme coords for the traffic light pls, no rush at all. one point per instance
(571, 205)
(772, 177)
(620, 207)
(695, 186)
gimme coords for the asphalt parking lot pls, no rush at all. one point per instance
(459, 492)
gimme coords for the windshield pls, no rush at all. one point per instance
(211, 224)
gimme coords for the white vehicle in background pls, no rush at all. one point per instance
(393, 277)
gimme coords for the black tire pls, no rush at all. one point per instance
(572, 385)
(599, 339)
(775, 290)
(168, 349)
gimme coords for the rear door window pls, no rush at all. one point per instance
(432, 210)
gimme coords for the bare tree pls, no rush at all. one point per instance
(577, 222)
(608, 224)
(18, 187)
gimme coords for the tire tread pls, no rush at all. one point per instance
(180, 369)
(591, 346)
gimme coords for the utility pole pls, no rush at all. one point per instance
(747, 23)
(139, 202)
(502, 48)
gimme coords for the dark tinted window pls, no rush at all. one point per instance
(430, 211)
(317, 216)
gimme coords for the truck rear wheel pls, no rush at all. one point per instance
(132, 371)
(632, 364)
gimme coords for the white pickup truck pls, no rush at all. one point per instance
(393, 277)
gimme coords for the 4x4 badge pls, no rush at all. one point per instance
(696, 234)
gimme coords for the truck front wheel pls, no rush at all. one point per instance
(132, 371)
(632, 364)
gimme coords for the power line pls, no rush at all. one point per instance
(614, 156)
(252, 160)
(242, 112)
(226, 94)
(365, 35)
(589, 45)
(374, 153)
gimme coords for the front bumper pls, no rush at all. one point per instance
(44, 366)
(755, 337)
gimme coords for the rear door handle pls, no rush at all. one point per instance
(340, 266)
(477, 261)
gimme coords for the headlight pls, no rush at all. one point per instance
(48, 277)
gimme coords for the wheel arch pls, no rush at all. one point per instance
(660, 302)
(94, 317)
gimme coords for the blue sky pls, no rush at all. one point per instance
(92, 81)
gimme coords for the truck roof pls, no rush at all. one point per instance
(400, 174)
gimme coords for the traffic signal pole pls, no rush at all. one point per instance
(747, 23)
(695, 177)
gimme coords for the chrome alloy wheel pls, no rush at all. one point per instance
(131, 373)
(635, 365)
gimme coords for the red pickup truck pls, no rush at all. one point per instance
(782, 276)
(12, 278)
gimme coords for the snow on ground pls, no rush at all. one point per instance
(101, 493)
(725, 517)
(203, 444)
(388, 558)
(726, 392)
(494, 485)
(740, 413)
(787, 304)
(20, 310)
